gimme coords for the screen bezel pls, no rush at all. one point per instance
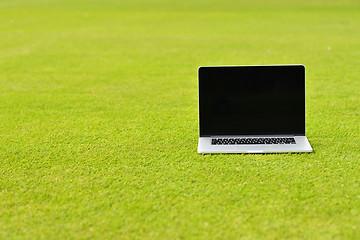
(296, 67)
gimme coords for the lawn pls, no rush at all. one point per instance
(99, 120)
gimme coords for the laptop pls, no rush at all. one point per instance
(252, 109)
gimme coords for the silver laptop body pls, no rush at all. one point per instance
(252, 109)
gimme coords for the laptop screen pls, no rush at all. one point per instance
(252, 100)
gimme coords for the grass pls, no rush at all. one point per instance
(99, 121)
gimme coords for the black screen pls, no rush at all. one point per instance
(252, 100)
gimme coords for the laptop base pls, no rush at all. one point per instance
(302, 145)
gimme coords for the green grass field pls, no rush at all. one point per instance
(99, 120)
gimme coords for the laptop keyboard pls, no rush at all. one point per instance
(249, 141)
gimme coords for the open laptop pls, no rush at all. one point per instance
(252, 109)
